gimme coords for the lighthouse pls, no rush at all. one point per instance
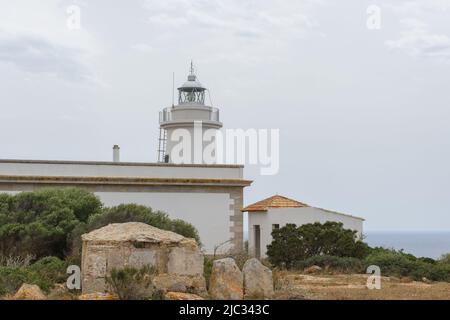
(188, 129)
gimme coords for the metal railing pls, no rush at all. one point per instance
(167, 115)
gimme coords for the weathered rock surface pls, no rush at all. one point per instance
(29, 292)
(136, 245)
(313, 269)
(258, 281)
(226, 282)
(98, 296)
(181, 296)
(180, 283)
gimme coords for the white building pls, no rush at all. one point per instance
(208, 196)
(277, 211)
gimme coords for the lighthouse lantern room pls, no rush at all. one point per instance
(191, 110)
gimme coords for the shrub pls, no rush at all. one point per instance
(391, 262)
(333, 263)
(133, 284)
(51, 269)
(50, 222)
(400, 264)
(11, 279)
(17, 261)
(207, 269)
(38, 222)
(439, 272)
(292, 244)
(445, 259)
(45, 273)
(286, 247)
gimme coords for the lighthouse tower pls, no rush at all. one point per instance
(189, 127)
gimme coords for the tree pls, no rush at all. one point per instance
(39, 222)
(292, 244)
(50, 222)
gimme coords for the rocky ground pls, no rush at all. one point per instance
(293, 285)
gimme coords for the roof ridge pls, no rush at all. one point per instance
(275, 201)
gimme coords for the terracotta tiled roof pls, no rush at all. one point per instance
(274, 202)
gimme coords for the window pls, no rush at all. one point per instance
(275, 226)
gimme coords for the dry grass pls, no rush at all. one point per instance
(294, 285)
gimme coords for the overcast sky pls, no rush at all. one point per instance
(364, 115)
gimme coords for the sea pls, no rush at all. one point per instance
(431, 244)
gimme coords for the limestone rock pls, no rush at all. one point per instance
(60, 292)
(136, 245)
(132, 231)
(258, 281)
(97, 296)
(226, 282)
(179, 283)
(181, 296)
(313, 269)
(29, 292)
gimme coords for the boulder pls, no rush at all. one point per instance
(181, 296)
(226, 282)
(98, 296)
(180, 283)
(60, 292)
(29, 292)
(258, 281)
(313, 269)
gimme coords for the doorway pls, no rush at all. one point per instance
(257, 235)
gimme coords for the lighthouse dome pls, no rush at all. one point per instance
(192, 83)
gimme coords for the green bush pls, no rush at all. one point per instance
(45, 273)
(292, 244)
(133, 284)
(52, 269)
(400, 264)
(445, 259)
(11, 279)
(207, 269)
(50, 222)
(333, 263)
(393, 263)
(39, 222)
(439, 272)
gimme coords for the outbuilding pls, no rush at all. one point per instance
(137, 245)
(277, 211)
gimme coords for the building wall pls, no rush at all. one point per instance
(120, 169)
(296, 216)
(209, 197)
(208, 212)
(196, 139)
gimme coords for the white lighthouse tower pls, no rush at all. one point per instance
(189, 127)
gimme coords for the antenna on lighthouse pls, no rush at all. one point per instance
(192, 68)
(173, 89)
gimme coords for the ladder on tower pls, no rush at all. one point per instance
(162, 146)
